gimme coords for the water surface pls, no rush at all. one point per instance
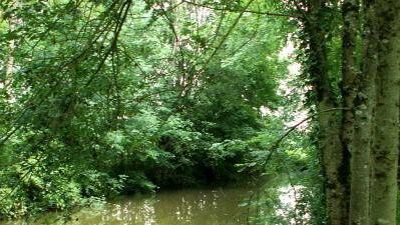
(205, 206)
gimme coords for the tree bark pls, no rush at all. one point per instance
(364, 102)
(385, 151)
(329, 141)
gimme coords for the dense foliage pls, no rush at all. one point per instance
(101, 98)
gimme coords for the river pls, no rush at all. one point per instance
(200, 206)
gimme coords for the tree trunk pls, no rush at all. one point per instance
(363, 114)
(385, 151)
(350, 70)
(329, 142)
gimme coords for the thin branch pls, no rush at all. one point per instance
(227, 34)
(275, 145)
(123, 15)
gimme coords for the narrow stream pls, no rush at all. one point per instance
(205, 206)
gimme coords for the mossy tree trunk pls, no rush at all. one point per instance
(362, 108)
(329, 140)
(385, 151)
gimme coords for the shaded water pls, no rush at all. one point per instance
(206, 206)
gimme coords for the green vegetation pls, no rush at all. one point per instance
(102, 98)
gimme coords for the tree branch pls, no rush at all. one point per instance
(275, 145)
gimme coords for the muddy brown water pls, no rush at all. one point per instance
(200, 206)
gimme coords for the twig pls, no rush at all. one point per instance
(275, 145)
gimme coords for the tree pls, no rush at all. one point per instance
(362, 109)
(385, 151)
(317, 23)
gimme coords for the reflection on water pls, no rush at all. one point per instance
(182, 207)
